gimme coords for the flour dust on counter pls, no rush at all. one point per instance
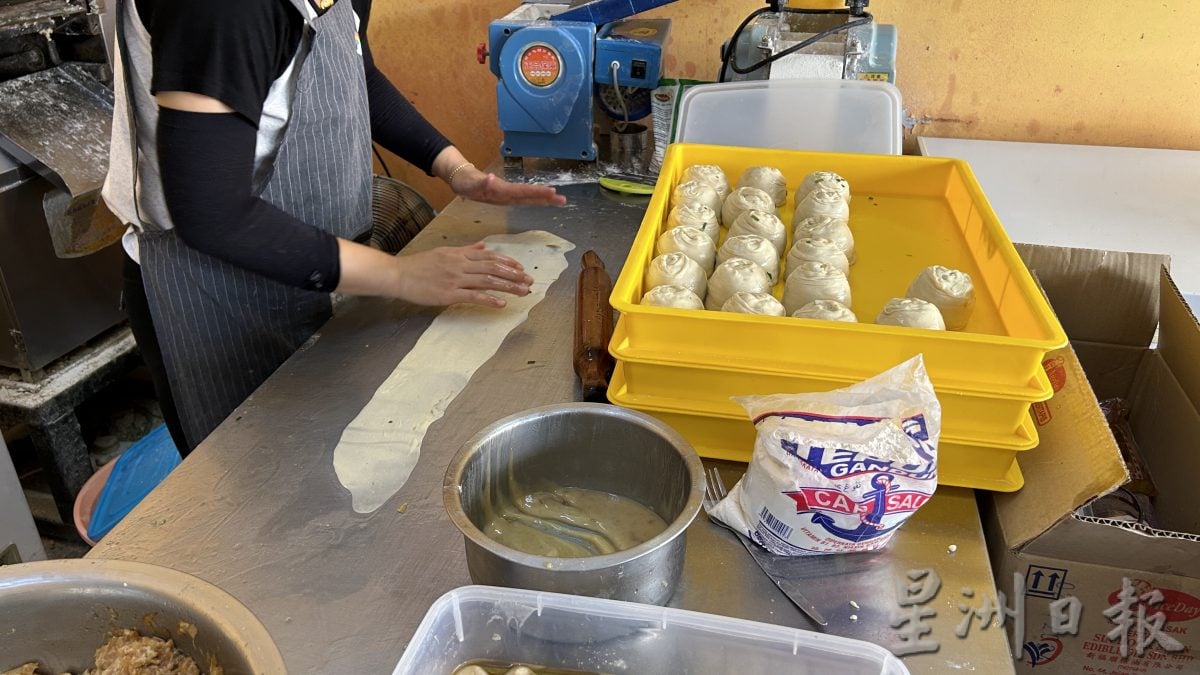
(380, 447)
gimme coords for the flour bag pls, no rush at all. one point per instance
(840, 471)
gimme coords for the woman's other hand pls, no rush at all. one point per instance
(468, 181)
(491, 189)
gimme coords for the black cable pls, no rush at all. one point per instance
(375, 149)
(730, 49)
(729, 57)
(800, 45)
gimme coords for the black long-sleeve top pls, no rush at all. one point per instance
(233, 50)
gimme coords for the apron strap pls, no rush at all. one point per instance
(130, 109)
(307, 12)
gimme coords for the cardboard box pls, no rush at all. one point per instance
(1110, 304)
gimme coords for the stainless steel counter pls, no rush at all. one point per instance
(258, 511)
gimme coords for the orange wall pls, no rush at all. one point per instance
(1096, 72)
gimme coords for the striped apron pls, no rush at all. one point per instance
(222, 330)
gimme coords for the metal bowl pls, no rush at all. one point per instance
(583, 445)
(59, 612)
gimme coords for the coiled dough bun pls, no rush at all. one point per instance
(826, 310)
(731, 276)
(710, 174)
(697, 215)
(817, 249)
(672, 296)
(821, 203)
(768, 179)
(950, 290)
(823, 180)
(691, 242)
(766, 225)
(911, 312)
(676, 269)
(824, 227)
(695, 191)
(744, 302)
(753, 248)
(815, 281)
(745, 199)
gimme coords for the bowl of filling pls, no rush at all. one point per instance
(111, 617)
(586, 499)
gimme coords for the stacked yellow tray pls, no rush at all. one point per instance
(907, 213)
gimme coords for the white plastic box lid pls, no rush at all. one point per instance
(818, 115)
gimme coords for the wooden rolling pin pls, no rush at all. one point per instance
(593, 329)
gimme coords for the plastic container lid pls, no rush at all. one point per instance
(821, 115)
(135, 473)
(554, 630)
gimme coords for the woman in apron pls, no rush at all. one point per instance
(245, 131)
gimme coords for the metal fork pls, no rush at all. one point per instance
(714, 491)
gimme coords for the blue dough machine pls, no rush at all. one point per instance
(558, 62)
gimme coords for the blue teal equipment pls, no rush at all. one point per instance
(556, 61)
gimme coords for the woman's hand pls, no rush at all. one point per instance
(441, 276)
(468, 181)
(446, 276)
(491, 189)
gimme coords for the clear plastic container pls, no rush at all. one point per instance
(825, 115)
(609, 636)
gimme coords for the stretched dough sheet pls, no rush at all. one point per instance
(380, 448)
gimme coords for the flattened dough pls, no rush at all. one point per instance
(380, 448)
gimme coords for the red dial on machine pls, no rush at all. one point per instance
(540, 65)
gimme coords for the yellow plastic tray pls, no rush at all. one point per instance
(709, 389)
(1037, 389)
(1023, 438)
(907, 213)
(960, 464)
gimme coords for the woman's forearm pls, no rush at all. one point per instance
(366, 271)
(440, 276)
